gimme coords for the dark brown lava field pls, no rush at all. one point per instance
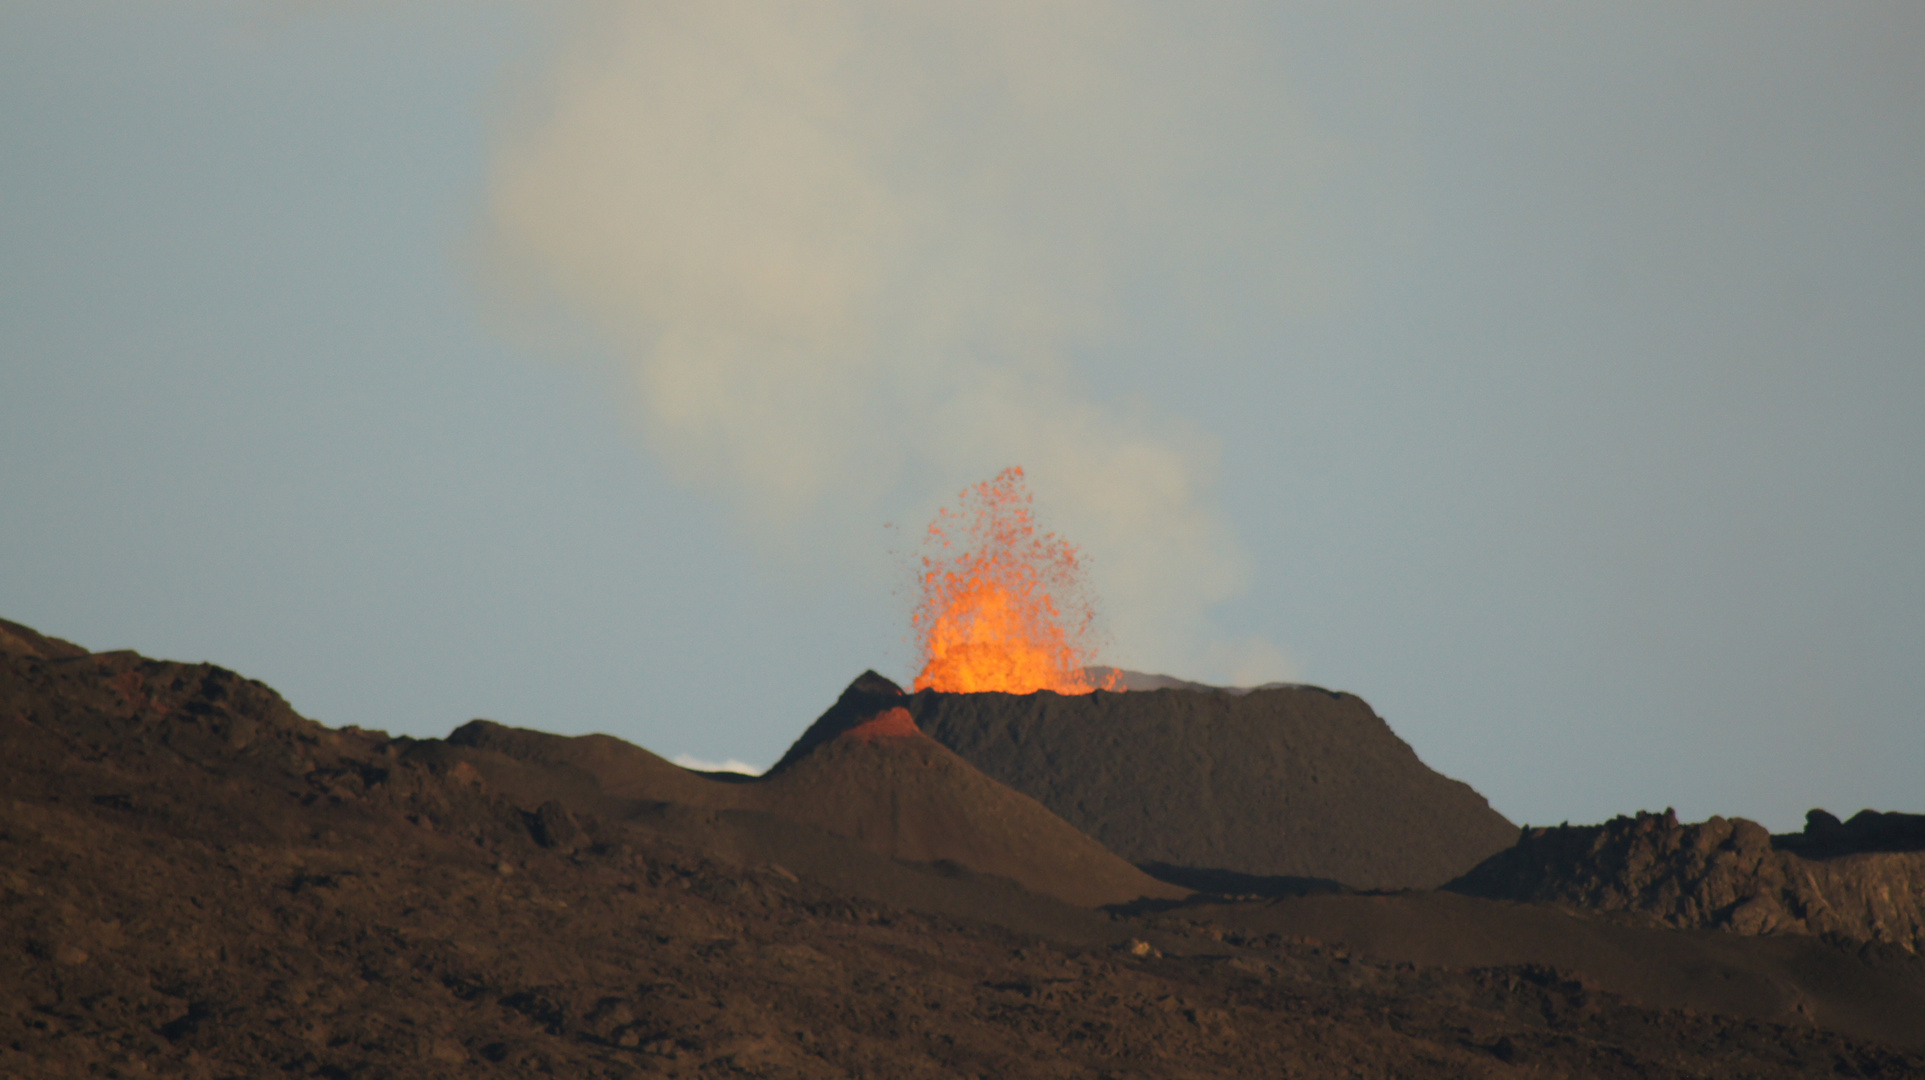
(196, 881)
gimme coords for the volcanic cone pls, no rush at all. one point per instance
(865, 771)
(1287, 781)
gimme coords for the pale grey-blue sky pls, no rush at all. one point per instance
(1599, 477)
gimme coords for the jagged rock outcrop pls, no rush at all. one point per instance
(1868, 830)
(1728, 873)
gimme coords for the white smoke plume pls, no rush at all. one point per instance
(856, 255)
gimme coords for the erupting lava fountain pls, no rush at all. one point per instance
(1003, 606)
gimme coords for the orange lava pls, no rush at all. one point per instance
(1002, 606)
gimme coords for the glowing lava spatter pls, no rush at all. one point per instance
(1002, 607)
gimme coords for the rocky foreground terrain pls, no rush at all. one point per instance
(196, 881)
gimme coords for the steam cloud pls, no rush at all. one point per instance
(853, 255)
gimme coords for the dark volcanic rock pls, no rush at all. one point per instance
(1868, 830)
(1287, 782)
(553, 826)
(1730, 874)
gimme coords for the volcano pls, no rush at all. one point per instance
(1207, 785)
(1278, 789)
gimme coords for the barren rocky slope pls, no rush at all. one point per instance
(195, 881)
(1295, 781)
(1858, 882)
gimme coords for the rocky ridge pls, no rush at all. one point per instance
(1859, 883)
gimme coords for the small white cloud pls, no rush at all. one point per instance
(690, 761)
